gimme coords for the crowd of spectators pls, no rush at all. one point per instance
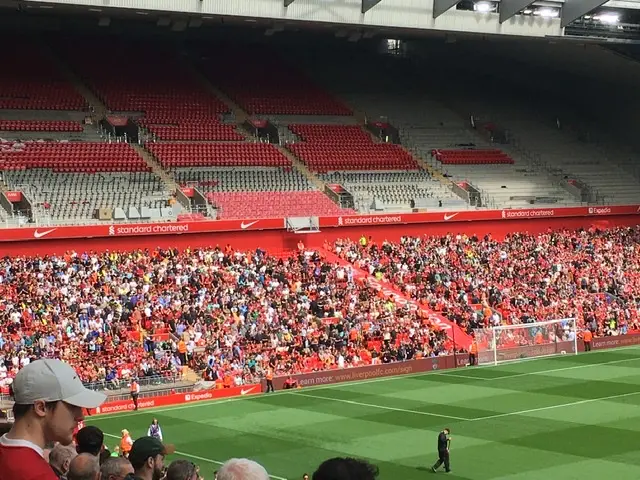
(233, 315)
(590, 275)
(228, 314)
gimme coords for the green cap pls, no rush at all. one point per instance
(147, 447)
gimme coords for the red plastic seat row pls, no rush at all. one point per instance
(266, 84)
(155, 83)
(477, 161)
(207, 132)
(274, 204)
(218, 154)
(337, 134)
(30, 80)
(73, 157)
(323, 158)
(472, 157)
(40, 126)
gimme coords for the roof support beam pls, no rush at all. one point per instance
(288, 2)
(574, 9)
(441, 6)
(509, 8)
(369, 4)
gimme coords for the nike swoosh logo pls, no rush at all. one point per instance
(244, 392)
(38, 234)
(449, 217)
(247, 225)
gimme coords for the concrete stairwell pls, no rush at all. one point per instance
(434, 172)
(99, 108)
(166, 177)
(189, 375)
(302, 168)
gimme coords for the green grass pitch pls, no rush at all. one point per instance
(568, 417)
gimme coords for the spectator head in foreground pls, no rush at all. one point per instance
(84, 467)
(182, 470)
(60, 459)
(345, 469)
(242, 469)
(49, 399)
(115, 468)
(90, 440)
(49, 402)
(147, 457)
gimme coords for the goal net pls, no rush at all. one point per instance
(506, 343)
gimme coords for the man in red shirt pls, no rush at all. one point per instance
(49, 402)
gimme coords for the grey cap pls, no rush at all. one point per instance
(53, 380)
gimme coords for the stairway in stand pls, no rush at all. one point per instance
(189, 375)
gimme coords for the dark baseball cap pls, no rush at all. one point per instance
(147, 447)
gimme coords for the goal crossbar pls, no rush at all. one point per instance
(505, 343)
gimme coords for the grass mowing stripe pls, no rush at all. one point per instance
(462, 419)
(381, 407)
(552, 407)
(196, 457)
(376, 380)
(543, 372)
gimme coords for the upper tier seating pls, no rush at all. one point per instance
(472, 157)
(394, 191)
(175, 105)
(192, 130)
(30, 81)
(346, 147)
(218, 154)
(40, 126)
(86, 157)
(262, 84)
(239, 205)
(239, 179)
(76, 196)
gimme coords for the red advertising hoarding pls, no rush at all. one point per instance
(212, 226)
(13, 196)
(120, 406)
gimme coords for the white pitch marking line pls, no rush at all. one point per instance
(541, 372)
(551, 407)
(382, 407)
(363, 382)
(196, 457)
(461, 419)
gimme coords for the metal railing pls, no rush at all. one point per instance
(146, 383)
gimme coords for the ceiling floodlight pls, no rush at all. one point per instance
(547, 13)
(610, 18)
(482, 7)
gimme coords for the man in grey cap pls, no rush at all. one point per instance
(49, 402)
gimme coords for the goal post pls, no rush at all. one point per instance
(506, 343)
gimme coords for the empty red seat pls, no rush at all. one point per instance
(171, 155)
(86, 157)
(174, 103)
(347, 147)
(29, 80)
(40, 126)
(262, 83)
(238, 205)
(472, 157)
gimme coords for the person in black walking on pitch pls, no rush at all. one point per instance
(444, 441)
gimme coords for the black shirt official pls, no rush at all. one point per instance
(444, 441)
